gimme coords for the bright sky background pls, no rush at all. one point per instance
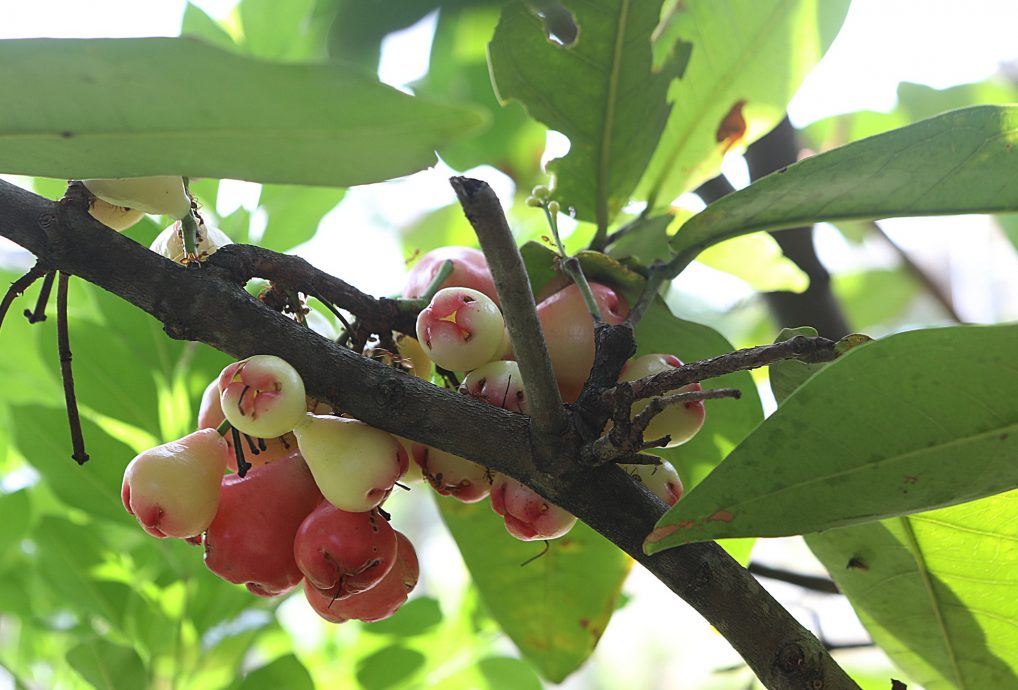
(936, 42)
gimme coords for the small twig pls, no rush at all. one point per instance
(812, 350)
(656, 276)
(638, 459)
(658, 405)
(485, 214)
(572, 268)
(813, 583)
(39, 313)
(79, 454)
(18, 288)
(917, 272)
(626, 436)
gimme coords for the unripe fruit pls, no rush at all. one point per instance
(173, 489)
(461, 329)
(170, 242)
(451, 475)
(377, 603)
(497, 383)
(569, 332)
(528, 516)
(250, 541)
(160, 194)
(114, 217)
(262, 396)
(355, 465)
(681, 421)
(662, 480)
(342, 553)
(210, 416)
(470, 270)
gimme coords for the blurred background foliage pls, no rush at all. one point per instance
(87, 600)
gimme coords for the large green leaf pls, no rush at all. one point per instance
(294, 214)
(936, 590)
(458, 71)
(278, 30)
(122, 108)
(958, 162)
(919, 420)
(601, 91)
(42, 437)
(749, 57)
(108, 666)
(556, 606)
(285, 672)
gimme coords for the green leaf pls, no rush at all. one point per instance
(388, 667)
(933, 425)
(294, 214)
(42, 437)
(601, 91)
(936, 590)
(458, 72)
(644, 239)
(276, 30)
(416, 617)
(748, 59)
(507, 673)
(757, 259)
(1009, 225)
(108, 666)
(195, 23)
(958, 162)
(296, 124)
(858, 295)
(17, 512)
(285, 672)
(555, 607)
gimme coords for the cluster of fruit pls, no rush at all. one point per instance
(462, 330)
(306, 507)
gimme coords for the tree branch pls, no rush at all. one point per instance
(209, 306)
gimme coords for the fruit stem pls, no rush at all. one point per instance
(39, 313)
(223, 428)
(444, 271)
(78, 454)
(18, 287)
(189, 229)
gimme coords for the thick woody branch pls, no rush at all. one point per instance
(208, 305)
(484, 212)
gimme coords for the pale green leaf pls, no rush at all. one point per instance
(958, 162)
(601, 91)
(150, 106)
(936, 590)
(285, 672)
(108, 666)
(758, 260)
(555, 607)
(916, 421)
(748, 59)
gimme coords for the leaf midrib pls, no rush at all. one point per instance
(610, 106)
(868, 467)
(912, 544)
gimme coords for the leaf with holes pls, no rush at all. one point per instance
(748, 59)
(602, 91)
